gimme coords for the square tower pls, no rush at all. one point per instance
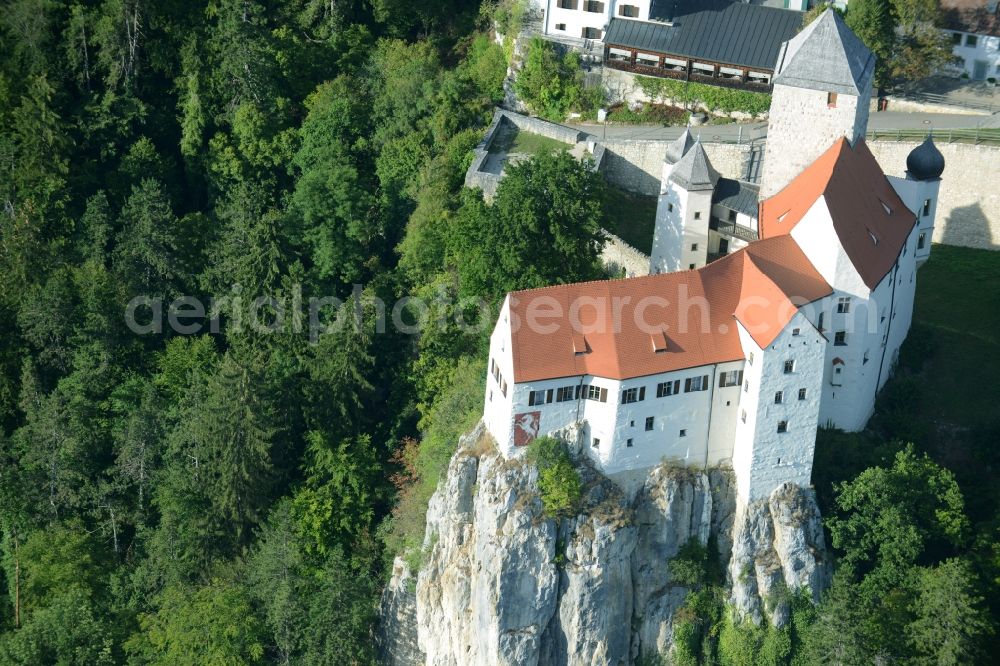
(822, 91)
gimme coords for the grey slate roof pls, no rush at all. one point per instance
(826, 56)
(732, 33)
(737, 195)
(679, 146)
(694, 172)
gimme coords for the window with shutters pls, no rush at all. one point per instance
(591, 33)
(565, 393)
(628, 11)
(633, 395)
(663, 389)
(730, 378)
(593, 6)
(561, 26)
(696, 384)
(536, 398)
(566, 4)
(596, 393)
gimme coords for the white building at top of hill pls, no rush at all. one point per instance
(796, 322)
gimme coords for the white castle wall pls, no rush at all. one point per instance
(764, 458)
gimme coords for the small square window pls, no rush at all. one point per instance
(628, 442)
(796, 331)
(683, 432)
(789, 367)
(596, 443)
(956, 38)
(802, 394)
(560, 26)
(697, 215)
(670, 207)
(694, 247)
(691, 266)
(782, 426)
(649, 423)
(971, 40)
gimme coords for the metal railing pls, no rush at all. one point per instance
(732, 229)
(974, 135)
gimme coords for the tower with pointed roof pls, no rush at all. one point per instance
(822, 91)
(680, 237)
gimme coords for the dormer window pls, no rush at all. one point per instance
(660, 342)
(885, 207)
(873, 237)
(580, 345)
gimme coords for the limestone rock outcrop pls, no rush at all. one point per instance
(502, 584)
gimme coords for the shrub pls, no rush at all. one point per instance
(552, 86)
(690, 566)
(558, 481)
(453, 413)
(714, 98)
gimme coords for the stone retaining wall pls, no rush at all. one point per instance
(968, 208)
(637, 166)
(617, 255)
(968, 212)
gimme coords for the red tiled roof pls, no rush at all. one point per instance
(857, 195)
(690, 313)
(970, 16)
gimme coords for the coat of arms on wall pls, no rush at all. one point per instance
(526, 426)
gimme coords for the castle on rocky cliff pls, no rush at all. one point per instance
(768, 312)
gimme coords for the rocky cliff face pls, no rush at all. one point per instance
(502, 584)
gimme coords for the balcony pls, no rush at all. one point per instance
(668, 72)
(732, 229)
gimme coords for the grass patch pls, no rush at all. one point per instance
(535, 144)
(631, 217)
(958, 302)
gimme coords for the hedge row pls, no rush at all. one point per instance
(714, 98)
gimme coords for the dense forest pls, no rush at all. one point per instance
(211, 445)
(223, 490)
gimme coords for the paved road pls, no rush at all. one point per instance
(730, 132)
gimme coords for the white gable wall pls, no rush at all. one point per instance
(499, 408)
(764, 458)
